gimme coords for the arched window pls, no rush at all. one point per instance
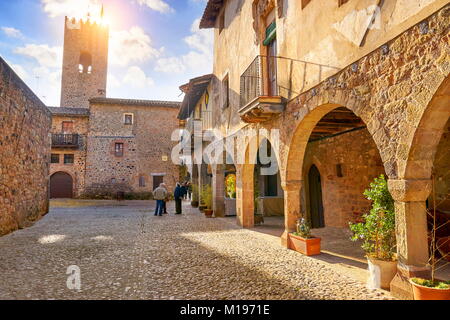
(85, 65)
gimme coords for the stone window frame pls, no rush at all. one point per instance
(119, 153)
(142, 181)
(125, 115)
(69, 156)
(52, 158)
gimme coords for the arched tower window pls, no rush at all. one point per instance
(85, 65)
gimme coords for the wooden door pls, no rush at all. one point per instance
(315, 198)
(157, 180)
(61, 186)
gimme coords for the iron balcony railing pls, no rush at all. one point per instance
(260, 79)
(62, 140)
(281, 76)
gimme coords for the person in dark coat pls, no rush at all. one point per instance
(178, 195)
(184, 191)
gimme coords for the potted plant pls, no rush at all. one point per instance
(195, 196)
(433, 289)
(207, 200)
(377, 232)
(302, 241)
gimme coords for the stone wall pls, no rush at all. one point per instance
(24, 153)
(147, 147)
(442, 172)
(76, 170)
(358, 156)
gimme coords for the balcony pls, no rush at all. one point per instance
(259, 92)
(62, 140)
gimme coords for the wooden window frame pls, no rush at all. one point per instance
(55, 155)
(68, 156)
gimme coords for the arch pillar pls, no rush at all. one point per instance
(245, 202)
(292, 207)
(411, 232)
(218, 190)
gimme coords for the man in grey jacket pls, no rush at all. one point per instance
(159, 194)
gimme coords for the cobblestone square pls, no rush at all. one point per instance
(124, 252)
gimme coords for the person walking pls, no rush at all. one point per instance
(166, 199)
(183, 191)
(178, 195)
(159, 194)
(189, 190)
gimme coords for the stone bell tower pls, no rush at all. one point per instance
(85, 62)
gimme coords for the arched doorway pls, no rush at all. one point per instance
(315, 198)
(61, 186)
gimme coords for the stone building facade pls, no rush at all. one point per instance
(24, 153)
(102, 146)
(365, 93)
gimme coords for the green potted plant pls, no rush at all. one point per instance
(302, 241)
(377, 233)
(433, 289)
(207, 200)
(195, 196)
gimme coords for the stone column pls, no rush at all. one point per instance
(292, 207)
(218, 189)
(245, 202)
(411, 233)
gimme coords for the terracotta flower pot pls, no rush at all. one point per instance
(309, 247)
(208, 213)
(194, 204)
(426, 293)
(381, 273)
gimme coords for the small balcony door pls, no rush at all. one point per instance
(272, 68)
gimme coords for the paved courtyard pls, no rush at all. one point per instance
(124, 252)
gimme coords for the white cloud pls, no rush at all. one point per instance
(157, 5)
(199, 59)
(129, 46)
(49, 57)
(170, 65)
(12, 32)
(137, 78)
(71, 8)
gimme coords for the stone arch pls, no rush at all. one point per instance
(293, 160)
(295, 151)
(85, 63)
(428, 134)
(245, 204)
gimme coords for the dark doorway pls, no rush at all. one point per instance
(157, 180)
(61, 186)
(315, 198)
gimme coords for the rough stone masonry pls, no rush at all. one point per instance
(24, 151)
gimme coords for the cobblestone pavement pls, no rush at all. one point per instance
(124, 252)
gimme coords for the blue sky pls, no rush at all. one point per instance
(167, 48)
